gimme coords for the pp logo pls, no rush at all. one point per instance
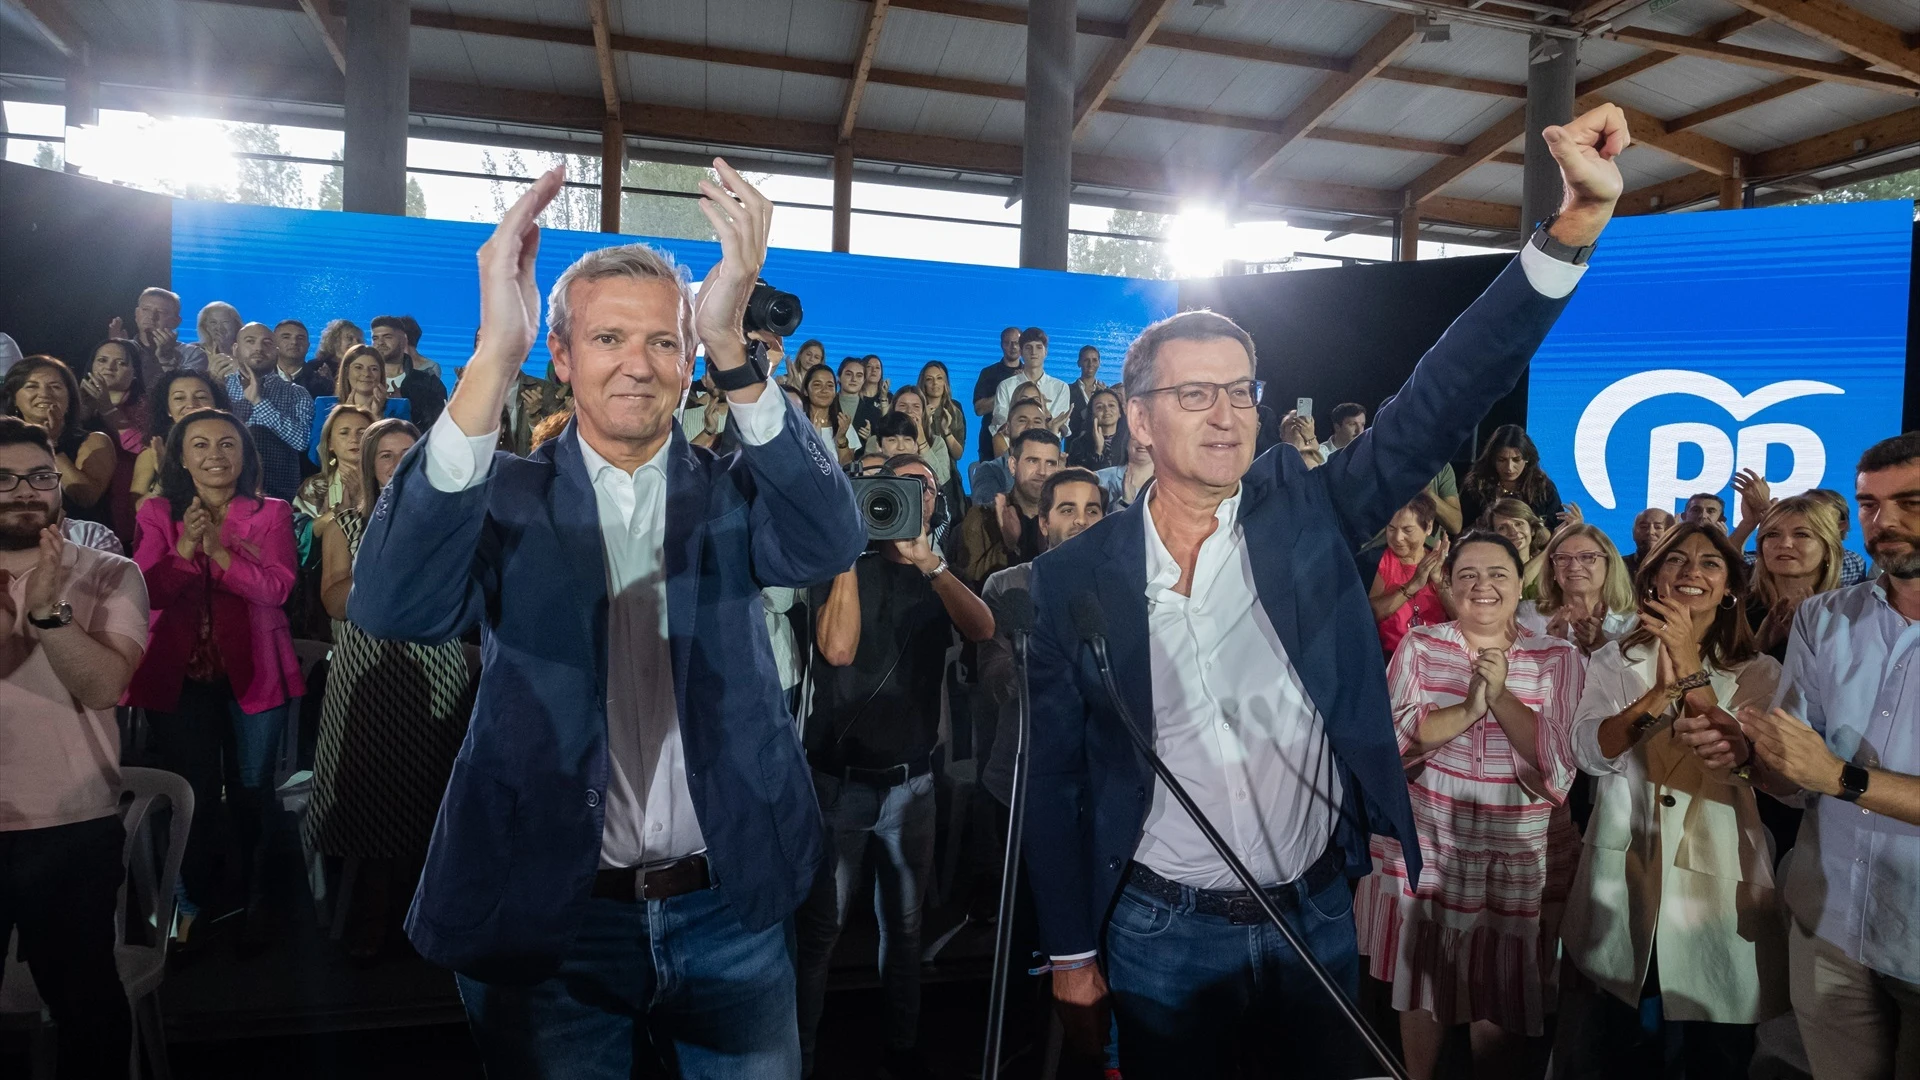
(1720, 454)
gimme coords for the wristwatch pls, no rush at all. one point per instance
(1645, 723)
(1853, 782)
(62, 615)
(751, 373)
(1566, 253)
(936, 571)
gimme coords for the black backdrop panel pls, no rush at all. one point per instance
(76, 253)
(1351, 333)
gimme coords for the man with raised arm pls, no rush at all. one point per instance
(630, 821)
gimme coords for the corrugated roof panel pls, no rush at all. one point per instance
(667, 80)
(1474, 50)
(1688, 18)
(1420, 112)
(1193, 81)
(762, 25)
(1598, 55)
(977, 49)
(1804, 114)
(1900, 14)
(1336, 29)
(673, 20)
(1774, 37)
(442, 55)
(821, 29)
(1360, 166)
(1688, 83)
(1488, 183)
(811, 97)
(1005, 123)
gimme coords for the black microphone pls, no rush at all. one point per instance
(1013, 615)
(1090, 620)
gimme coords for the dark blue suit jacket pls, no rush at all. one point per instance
(1090, 789)
(517, 842)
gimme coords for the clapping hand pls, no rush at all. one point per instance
(1715, 737)
(529, 400)
(741, 218)
(1011, 524)
(1756, 497)
(49, 582)
(509, 297)
(249, 382)
(194, 525)
(1490, 667)
(1570, 514)
(1429, 567)
(116, 327)
(1788, 747)
(1672, 624)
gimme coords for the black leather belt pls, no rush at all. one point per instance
(632, 883)
(891, 776)
(1237, 907)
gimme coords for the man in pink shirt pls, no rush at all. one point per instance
(73, 622)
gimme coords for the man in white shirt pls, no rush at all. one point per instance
(630, 822)
(1033, 369)
(1349, 420)
(1238, 637)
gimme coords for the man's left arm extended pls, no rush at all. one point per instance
(1481, 356)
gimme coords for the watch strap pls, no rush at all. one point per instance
(62, 616)
(1566, 253)
(751, 373)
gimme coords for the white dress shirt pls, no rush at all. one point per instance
(1059, 395)
(1232, 720)
(650, 816)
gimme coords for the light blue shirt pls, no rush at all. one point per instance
(1853, 673)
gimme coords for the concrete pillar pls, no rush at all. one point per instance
(1550, 79)
(843, 197)
(1046, 154)
(613, 165)
(374, 169)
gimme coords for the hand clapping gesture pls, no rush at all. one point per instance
(1672, 624)
(741, 218)
(49, 583)
(1429, 567)
(195, 524)
(1756, 496)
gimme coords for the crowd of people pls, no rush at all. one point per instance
(1606, 753)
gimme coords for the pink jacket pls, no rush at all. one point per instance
(249, 627)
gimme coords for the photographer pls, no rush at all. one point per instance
(881, 637)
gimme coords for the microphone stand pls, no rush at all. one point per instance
(1016, 822)
(1219, 844)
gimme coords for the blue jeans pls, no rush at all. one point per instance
(898, 822)
(677, 978)
(1188, 988)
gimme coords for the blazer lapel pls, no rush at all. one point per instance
(686, 523)
(1122, 587)
(1271, 542)
(576, 519)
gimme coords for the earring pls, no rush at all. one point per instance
(1728, 603)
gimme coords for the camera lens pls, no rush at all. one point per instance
(882, 508)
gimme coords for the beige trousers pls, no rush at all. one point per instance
(1857, 1024)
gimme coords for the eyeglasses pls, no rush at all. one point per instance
(1200, 396)
(44, 480)
(1588, 559)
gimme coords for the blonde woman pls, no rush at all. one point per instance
(362, 383)
(946, 420)
(338, 481)
(1674, 896)
(1586, 594)
(1798, 555)
(218, 326)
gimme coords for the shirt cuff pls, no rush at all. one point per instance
(1549, 276)
(1075, 956)
(763, 418)
(457, 461)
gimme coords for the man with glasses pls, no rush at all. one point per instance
(881, 634)
(73, 623)
(1239, 636)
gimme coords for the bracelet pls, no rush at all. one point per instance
(1692, 682)
(937, 571)
(1064, 965)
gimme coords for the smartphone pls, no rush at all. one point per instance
(1303, 406)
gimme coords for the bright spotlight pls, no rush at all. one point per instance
(1198, 241)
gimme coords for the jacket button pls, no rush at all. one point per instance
(1666, 800)
(593, 797)
(1113, 864)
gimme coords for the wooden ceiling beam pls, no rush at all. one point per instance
(1146, 17)
(862, 66)
(1846, 29)
(1379, 51)
(1720, 31)
(1821, 151)
(50, 19)
(331, 28)
(1748, 100)
(1783, 63)
(602, 21)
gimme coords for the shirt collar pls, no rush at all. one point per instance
(1163, 572)
(597, 466)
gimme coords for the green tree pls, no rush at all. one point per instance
(46, 157)
(261, 182)
(416, 199)
(1119, 257)
(662, 215)
(1904, 185)
(330, 187)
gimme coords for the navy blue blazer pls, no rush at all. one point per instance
(517, 842)
(1091, 789)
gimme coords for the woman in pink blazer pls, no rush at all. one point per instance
(220, 670)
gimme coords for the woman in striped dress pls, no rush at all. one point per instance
(392, 720)
(1483, 715)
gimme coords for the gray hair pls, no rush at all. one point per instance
(636, 261)
(216, 308)
(1142, 368)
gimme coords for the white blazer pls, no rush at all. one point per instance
(1676, 859)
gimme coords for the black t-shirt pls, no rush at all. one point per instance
(884, 708)
(986, 386)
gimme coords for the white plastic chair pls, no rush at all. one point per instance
(145, 899)
(294, 786)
